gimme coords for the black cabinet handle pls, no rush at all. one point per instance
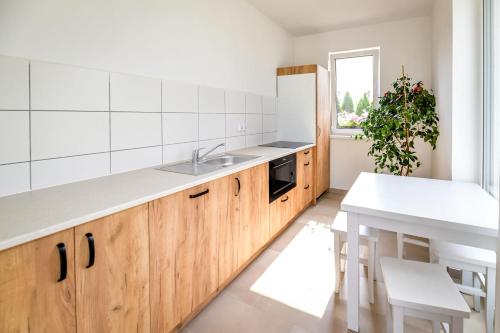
(285, 199)
(306, 187)
(306, 152)
(63, 262)
(90, 239)
(192, 196)
(239, 186)
(306, 164)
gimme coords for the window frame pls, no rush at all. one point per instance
(488, 163)
(332, 57)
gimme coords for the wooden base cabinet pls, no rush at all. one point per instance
(31, 297)
(254, 211)
(184, 251)
(112, 280)
(305, 180)
(281, 211)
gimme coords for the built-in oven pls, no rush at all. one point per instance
(282, 176)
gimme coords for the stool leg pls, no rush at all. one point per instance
(336, 250)
(371, 267)
(400, 244)
(457, 325)
(398, 319)
(436, 326)
(490, 298)
(477, 300)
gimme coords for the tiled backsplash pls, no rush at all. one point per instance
(60, 123)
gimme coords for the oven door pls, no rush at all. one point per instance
(282, 176)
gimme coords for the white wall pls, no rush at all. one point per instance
(467, 90)
(91, 88)
(219, 43)
(406, 42)
(442, 29)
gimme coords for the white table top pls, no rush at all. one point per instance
(422, 286)
(454, 205)
(32, 215)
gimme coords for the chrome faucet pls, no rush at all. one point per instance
(196, 153)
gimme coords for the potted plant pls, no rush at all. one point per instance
(402, 116)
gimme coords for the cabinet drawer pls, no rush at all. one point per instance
(281, 211)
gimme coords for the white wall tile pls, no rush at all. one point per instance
(14, 83)
(234, 143)
(269, 123)
(58, 134)
(254, 123)
(211, 100)
(253, 140)
(235, 102)
(269, 105)
(135, 130)
(209, 144)
(178, 152)
(67, 170)
(269, 137)
(253, 103)
(127, 160)
(14, 136)
(14, 178)
(180, 127)
(62, 87)
(235, 125)
(134, 93)
(179, 97)
(212, 126)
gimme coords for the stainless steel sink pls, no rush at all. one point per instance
(228, 160)
(208, 165)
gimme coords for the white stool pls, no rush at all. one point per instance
(482, 264)
(421, 290)
(368, 238)
(403, 239)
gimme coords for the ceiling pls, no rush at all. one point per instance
(302, 17)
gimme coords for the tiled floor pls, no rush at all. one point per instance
(289, 288)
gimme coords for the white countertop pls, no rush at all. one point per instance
(28, 216)
(450, 204)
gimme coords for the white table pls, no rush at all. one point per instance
(457, 212)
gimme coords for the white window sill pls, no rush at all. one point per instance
(342, 136)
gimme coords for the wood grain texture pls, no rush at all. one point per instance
(31, 299)
(163, 214)
(113, 295)
(229, 230)
(281, 211)
(323, 120)
(305, 167)
(254, 211)
(304, 69)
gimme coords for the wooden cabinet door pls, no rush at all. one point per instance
(305, 185)
(113, 294)
(184, 251)
(323, 132)
(281, 211)
(31, 298)
(254, 211)
(229, 229)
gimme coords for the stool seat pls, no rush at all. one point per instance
(422, 286)
(463, 253)
(340, 225)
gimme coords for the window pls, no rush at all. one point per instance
(355, 77)
(491, 128)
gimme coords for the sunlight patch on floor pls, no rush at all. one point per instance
(303, 275)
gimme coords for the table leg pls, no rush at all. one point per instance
(398, 320)
(457, 325)
(353, 272)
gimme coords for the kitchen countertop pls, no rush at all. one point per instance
(31, 215)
